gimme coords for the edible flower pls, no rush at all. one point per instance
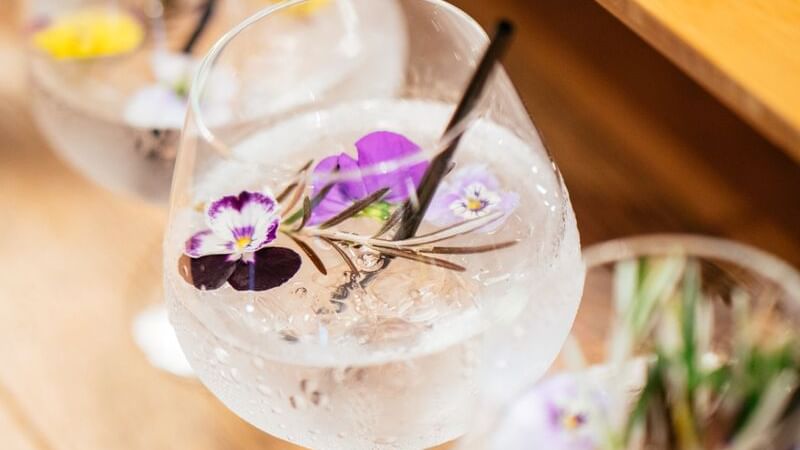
(560, 413)
(234, 248)
(385, 160)
(90, 33)
(471, 192)
(163, 105)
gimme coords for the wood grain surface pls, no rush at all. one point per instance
(746, 52)
(642, 147)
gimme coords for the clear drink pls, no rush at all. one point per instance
(399, 365)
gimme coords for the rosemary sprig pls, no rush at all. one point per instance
(355, 208)
(305, 167)
(298, 195)
(312, 255)
(446, 233)
(298, 186)
(286, 191)
(467, 250)
(413, 256)
(393, 220)
(347, 260)
(306, 214)
(458, 229)
(314, 202)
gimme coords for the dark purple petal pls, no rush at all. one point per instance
(237, 203)
(273, 266)
(207, 272)
(272, 232)
(348, 177)
(268, 232)
(348, 189)
(384, 146)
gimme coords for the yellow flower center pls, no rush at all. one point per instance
(90, 33)
(474, 204)
(307, 8)
(571, 422)
(243, 242)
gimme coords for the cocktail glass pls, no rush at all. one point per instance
(590, 387)
(298, 293)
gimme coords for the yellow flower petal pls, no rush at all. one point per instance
(90, 34)
(307, 8)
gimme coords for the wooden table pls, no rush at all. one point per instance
(642, 147)
(745, 52)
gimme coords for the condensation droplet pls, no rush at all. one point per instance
(222, 355)
(236, 375)
(319, 399)
(258, 362)
(297, 402)
(264, 389)
(368, 260)
(301, 292)
(387, 440)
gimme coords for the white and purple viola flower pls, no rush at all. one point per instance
(385, 160)
(471, 192)
(235, 246)
(163, 105)
(563, 412)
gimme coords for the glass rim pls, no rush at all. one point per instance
(201, 76)
(745, 256)
(200, 79)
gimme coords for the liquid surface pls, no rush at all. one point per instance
(399, 365)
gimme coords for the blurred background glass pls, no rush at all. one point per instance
(595, 377)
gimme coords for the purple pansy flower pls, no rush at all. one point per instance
(365, 175)
(471, 192)
(234, 247)
(561, 413)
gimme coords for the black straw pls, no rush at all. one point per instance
(412, 217)
(440, 166)
(208, 11)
